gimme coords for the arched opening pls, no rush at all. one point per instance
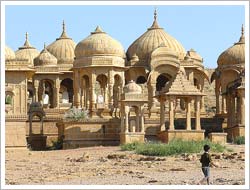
(161, 80)
(66, 91)
(141, 80)
(101, 89)
(46, 94)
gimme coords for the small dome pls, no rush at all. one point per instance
(99, 43)
(63, 48)
(133, 88)
(194, 55)
(153, 38)
(27, 51)
(45, 58)
(9, 53)
(235, 54)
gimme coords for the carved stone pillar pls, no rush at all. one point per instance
(142, 121)
(137, 122)
(188, 114)
(217, 95)
(36, 85)
(242, 107)
(223, 105)
(162, 119)
(76, 89)
(111, 100)
(57, 91)
(126, 118)
(233, 115)
(229, 119)
(171, 113)
(197, 114)
(122, 122)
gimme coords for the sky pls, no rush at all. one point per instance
(208, 29)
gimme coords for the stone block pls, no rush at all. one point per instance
(131, 137)
(187, 135)
(220, 138)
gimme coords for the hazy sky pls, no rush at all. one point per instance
(209, 29)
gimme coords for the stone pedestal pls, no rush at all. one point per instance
(36, 142)
(187, 135)
(132, 137)
(220, 138)
(236, 131)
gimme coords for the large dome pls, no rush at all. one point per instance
(9, 53)
(153, 38)
(235, 54)
(99, 43)
(45, 58)
(63, 48)
(27, 51)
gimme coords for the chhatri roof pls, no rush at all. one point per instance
(235, 54)
(9, 53)
(180, 86)
(63, 48)
(99, 43)
(27, 51)
(45, 58)
(153, 38)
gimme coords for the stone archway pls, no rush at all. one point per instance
(46, 93)
(66, 89)
(161, 81)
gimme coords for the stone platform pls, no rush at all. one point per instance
(168, 135)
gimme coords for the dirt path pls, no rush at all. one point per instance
(110, 166)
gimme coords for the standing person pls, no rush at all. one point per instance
(206, 161)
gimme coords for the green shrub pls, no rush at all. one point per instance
(75, 114)
(129, 146)
(172, 148)
(239, 140)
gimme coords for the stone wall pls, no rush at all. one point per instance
(49, 129)
(15, 135)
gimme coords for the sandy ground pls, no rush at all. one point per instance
(110, 166)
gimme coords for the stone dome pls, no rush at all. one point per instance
(27, 51)
(45, 58)
(63, 48)
(9, 53)
(235, 54)
(99, 43)
(133, 88)
(153, 38)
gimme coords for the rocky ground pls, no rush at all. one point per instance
(110, 166)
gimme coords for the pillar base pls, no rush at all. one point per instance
(220, 138)
(236, 131)
(188, 135)
(132, 137)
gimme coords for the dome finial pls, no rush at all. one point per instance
(26, 36)
(44, 46)
(242, 37)
(98, 30)
(155, 14)
(63, 26)
(64, 34)
(242, 30)
(26, 43)
(155, 24)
